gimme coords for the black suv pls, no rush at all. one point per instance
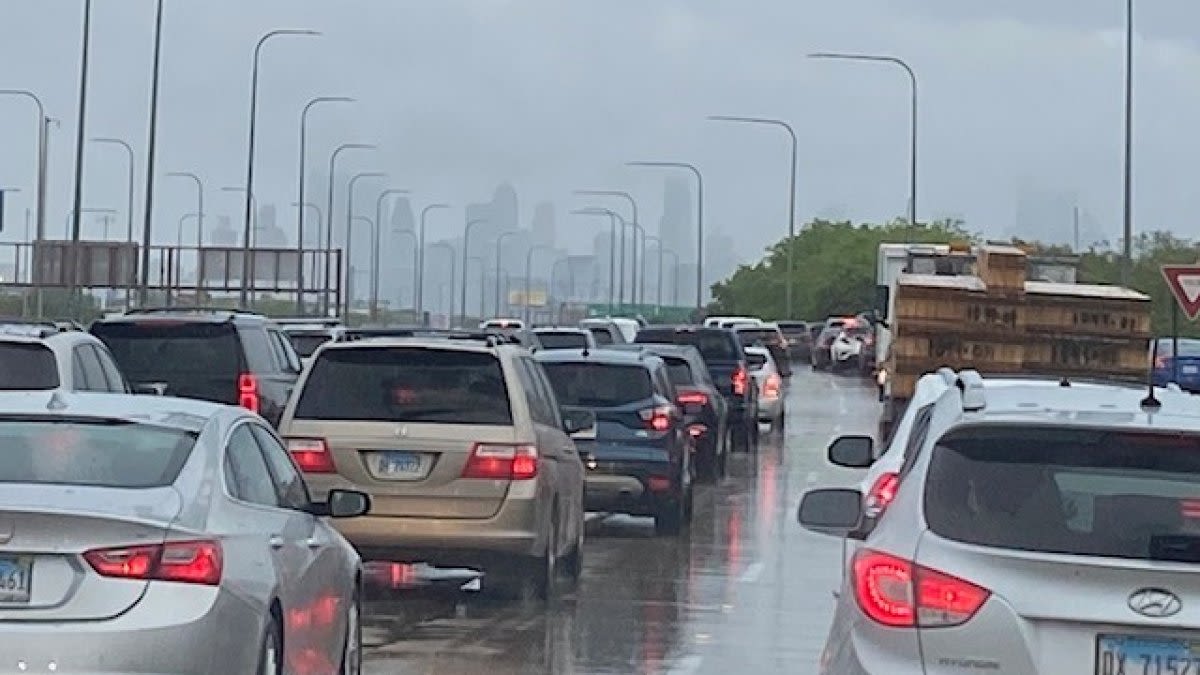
(219, 355)
(639, 461)
(701, 401)
(726, 361)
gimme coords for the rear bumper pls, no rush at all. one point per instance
(176, 629)
(770, 409)
(624, 487)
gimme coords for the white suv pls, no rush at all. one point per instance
(41, 356)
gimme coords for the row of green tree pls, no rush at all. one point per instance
(835, 267)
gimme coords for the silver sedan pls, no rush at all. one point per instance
(144, 534)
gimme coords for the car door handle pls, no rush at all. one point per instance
(275, 541)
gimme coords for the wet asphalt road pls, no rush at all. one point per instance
(748, 591)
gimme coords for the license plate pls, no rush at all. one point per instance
(1145, 655)
(16, 576)
(396, 465)
(1190, 370)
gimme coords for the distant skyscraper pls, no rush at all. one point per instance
(678, 225)
(543, 224)
(720, 259)
(224, 234)
(1044, 214)
(269, 234)
(402, 215)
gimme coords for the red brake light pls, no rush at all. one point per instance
(658, 419)
(1160, 362)
(882, 493)
(739, 380)
(188, 562)
(311, 455)
(693, 398)
(771, 386)
(895, 592)
(247, 385)
(490, 461)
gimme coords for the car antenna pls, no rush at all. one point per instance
(1150, 401)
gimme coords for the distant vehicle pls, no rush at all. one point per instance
(769, 381)
(218, 355)
(306, 337)
(40, 356)
(799, 339)
(502, 324)
(731, 321)
(612, 331)
(832, 328)
(565, 338)
(129, 516)
(639, 460)
(460, 442)
(854, 347)
(1184, 370)
(771, 337)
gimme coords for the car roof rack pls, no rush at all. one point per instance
(21, 327)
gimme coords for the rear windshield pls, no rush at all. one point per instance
(562, 340)
(1186, 348)
(164, 351)
(599, 385)
(756, 361)
(1081, 492)
(713, 345)
(603, 337)
(25, 367)
(119, 455)
(680, 372)
(406, 385)
(765, 336)
(307, 343)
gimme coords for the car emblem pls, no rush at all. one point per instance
(1155, 602)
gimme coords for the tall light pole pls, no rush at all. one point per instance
(791, 228)
(349, 236)
(412, 235)
(40, 189)
(482, 265)
(633, 205)
(320, 100)
(376, 244)
(529, 273)
(912, 78)
(453, 273)
(250, 142)
(465, 252)
(699, 220)
(612, 243)
(659, 277)
(152, 153)
(421, 257)
(80, 131)
(129, 156)
(299, 282)
(1127, 262)
(329, 217)
(72, 216)
(350, 268)
(499, 249)
(199, 204)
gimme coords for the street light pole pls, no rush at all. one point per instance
(421, 258)
(1127, 262)
(453, 272)
(466, 249)
(81, 129)
(302, 213)
(376, 244)
(349, 236)
(699, 220)
(199, 204)
(791, 229)
(40, 189)
(329, 217)
(499, 249)
(633, 205)
(912, 78)
(129, 153)
(659, 277)
(612, 243)
(350, 268)
(529, 273)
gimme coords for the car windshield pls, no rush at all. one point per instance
(599, 385)
(154, 351)
(1094, 493)
(562, 340)
(679, 371)
(99, 454)
(756, 361)
(406, 384)
(27, 366)
(1187, 348)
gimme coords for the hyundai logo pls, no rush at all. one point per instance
(1155, 602)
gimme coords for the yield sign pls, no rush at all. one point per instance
(1184, 282)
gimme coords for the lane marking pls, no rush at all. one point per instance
(752, 573)
(688, 665)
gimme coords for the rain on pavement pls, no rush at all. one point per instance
(748, 591)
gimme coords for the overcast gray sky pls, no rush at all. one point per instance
(557, 94)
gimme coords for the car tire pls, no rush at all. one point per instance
(778, 422)
(707, 464)
(669, 522)
(270, 654)
(573, 562)
(352, 645)
(741, 437)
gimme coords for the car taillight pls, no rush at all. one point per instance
(311, 455)
(896, 592)
(739, 379)
(658, 419)
(490, 461)
(771, 386)
(188, 562)
(1160, 362)
(882, 493)
(247, 390)
(693, 398)
(869, 340)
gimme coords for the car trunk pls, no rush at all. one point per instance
(622, 435)
(194, 359)
(48, 542)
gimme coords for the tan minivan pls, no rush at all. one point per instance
(462, 447)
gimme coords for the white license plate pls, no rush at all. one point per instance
(1190, 370)
(1144, 655)
(16, 577)
(396, 465)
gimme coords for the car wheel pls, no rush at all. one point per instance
(270, 656)
(573, 563)
(706, 463)
(544, 573)
(669, 521)
(741, 437)
(352, 650)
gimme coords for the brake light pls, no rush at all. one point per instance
(187, 562)
(896, 592)
(247, 389)
(1190, 508)
(882, 493)
(490, 461)
(658, 419)
(1160, 362)
(693, 398)
(311, 455)
(739, 380)
(771, 386)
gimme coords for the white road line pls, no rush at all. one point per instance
(752, 573)
(688, 665)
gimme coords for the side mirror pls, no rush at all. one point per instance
(578, 421)
(150, 388)
(835, 511)
(852, 452)
(346, 504)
